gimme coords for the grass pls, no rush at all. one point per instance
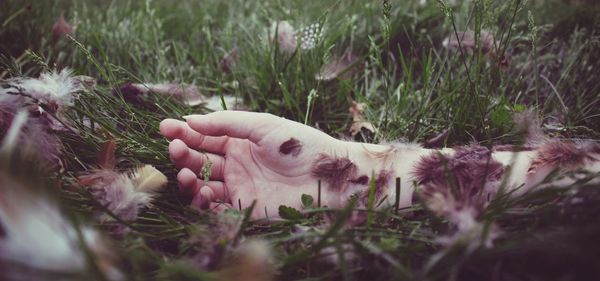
(413, 87)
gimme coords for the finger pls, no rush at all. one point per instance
(187, 182)
(219, 207)
(176, 129)
(208, 193)
(185, 157)
(203, 198)
(238, 124)
(219, 189)
(190, 185)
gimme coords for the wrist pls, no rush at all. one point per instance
(386, 163)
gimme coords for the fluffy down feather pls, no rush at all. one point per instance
(124, 194)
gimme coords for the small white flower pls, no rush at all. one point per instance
(310, 36)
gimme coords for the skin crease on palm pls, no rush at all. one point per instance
(273, 161)
(246, 161)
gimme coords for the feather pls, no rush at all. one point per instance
(61, 28)
(35, 237)
(187, 94)
(54, 89)
(339, 67)
(148, 179)
(124, 194)
(283, 34)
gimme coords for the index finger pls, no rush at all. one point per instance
(252, 126)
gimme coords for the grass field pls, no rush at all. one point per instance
(543, 57)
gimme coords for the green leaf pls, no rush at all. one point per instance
(389, 243)
(371, 199)
(501, 116)
(289, 213)
(307, 201)
(519, 107)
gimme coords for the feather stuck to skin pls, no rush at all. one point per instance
(564, 154)
(291, 146)
(454, 183)
(124, 194)
(37, 237)
(458, 187)
(336, 172)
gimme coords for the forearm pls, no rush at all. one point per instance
(385, 163)
(476, 172)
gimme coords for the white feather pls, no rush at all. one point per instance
(51, 87)
(38, 236)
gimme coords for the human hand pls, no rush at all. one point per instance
(258, 156)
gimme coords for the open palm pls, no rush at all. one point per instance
(253, 156)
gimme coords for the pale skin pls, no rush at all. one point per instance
(247, 165)
(250, 164)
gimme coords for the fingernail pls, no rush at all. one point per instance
(193, 116)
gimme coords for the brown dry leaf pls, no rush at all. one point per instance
(106, 156)
(359, 121)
